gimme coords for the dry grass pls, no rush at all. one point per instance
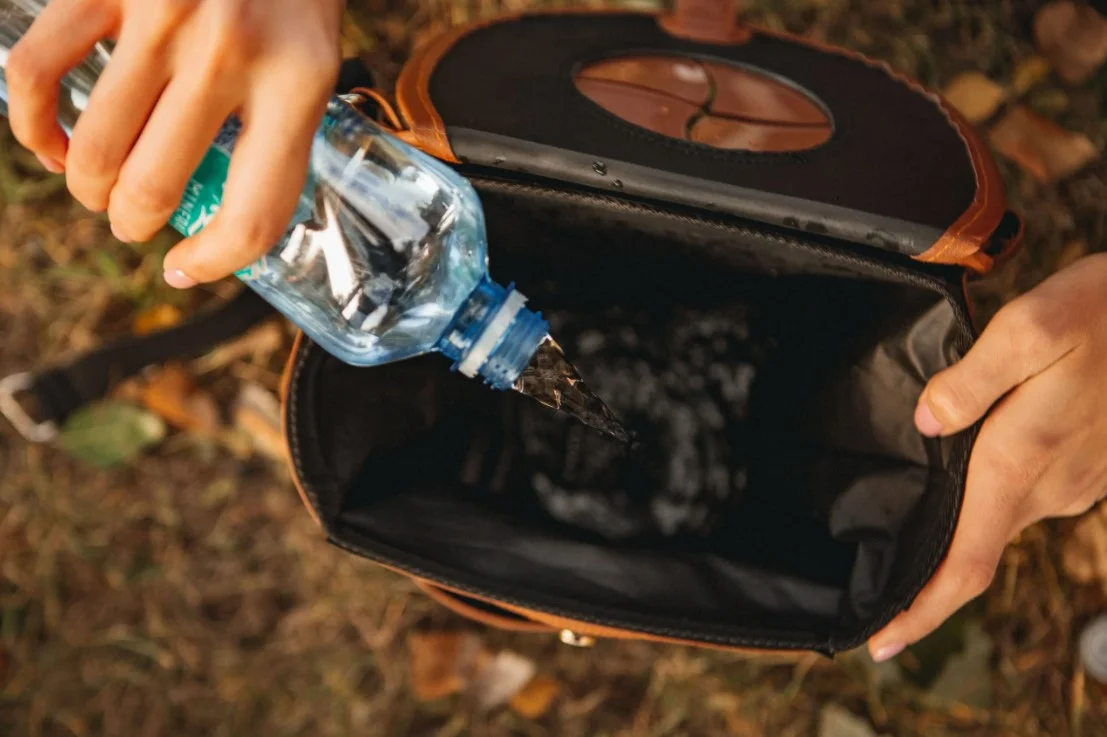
(190, 594)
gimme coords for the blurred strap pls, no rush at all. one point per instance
(38, 403)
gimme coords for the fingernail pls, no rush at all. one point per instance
(178, 279)
(119, 234)
(926, 422)
(888, 652)
(50, 165)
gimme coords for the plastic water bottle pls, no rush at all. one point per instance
(386, 257)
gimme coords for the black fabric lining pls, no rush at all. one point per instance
(894, 153)
(328, 459)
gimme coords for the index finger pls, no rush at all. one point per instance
(60, 38)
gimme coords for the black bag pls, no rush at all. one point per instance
(754, 248)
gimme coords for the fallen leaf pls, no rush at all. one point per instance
(1073, 36)
(257, 344)
(1048, 101)
(443, 663)
(1028, 73)
(156, 318)
(109, 434)
(173, 395)
(501, 678)
(836, 721)
(975, 96)
(257, 414)
(967, 675)
(1084, 557)
(535, 698)
(1041, 147)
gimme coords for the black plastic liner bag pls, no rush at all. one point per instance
(754, 249)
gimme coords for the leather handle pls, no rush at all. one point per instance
(706, 21)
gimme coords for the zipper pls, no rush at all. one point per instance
(931, 277)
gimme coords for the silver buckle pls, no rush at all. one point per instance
(36, 432)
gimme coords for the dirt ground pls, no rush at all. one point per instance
(189, 593)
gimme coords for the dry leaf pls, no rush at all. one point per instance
(1029, 73)
(1085, 555)
(1073, 36)
(257, 414)
(1041, 147)
(173, 395)
(837, 721)
(443, 663)
(156, 318)
(109, 434)
(257, 344)
(501, 678)
(975, 96)
(536, 697)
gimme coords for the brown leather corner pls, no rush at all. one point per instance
(706, 21)
(964, 242)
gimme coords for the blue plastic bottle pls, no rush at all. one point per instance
(386, 257)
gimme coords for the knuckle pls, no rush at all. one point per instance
(89, 159)
(168, 14)
(1034, 326)
(24, 70)
(974, 577)
(141, 199)
(237, 32)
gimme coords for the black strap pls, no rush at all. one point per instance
(57, 392)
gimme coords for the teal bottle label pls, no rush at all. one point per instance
(204, 193)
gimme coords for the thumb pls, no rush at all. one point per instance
(1025, 338)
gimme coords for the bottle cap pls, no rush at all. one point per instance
(1093, 648)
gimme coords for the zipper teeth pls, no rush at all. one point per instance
(744, 637)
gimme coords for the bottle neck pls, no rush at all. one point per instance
(494, 335)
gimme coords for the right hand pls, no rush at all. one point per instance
(179, 70)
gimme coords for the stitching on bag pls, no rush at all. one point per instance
(294, 437)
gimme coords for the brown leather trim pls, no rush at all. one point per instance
(286, 383)
(489, 619)
(612, 633)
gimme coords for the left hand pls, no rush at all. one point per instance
(1041, 368)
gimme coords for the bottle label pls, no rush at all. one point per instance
(204, 193)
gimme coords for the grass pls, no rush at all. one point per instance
(190, 593)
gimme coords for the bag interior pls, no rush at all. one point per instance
(779, 495)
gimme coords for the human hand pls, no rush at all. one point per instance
(180, 68)
(1042, 452)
